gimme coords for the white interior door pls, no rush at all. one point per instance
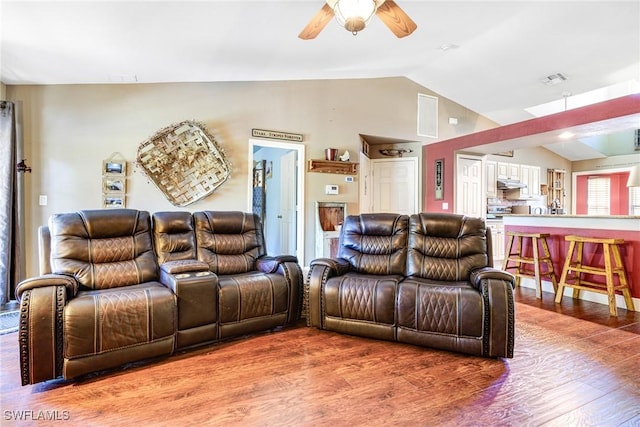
(395, 185)
(470, 197)
(287, 215)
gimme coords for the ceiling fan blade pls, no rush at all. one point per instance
(396, 19)
(317, 23)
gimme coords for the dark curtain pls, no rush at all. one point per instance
(8, 210)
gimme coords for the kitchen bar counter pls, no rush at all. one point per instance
(559, 226)
(608, 222)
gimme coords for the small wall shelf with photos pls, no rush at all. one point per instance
(114, 182)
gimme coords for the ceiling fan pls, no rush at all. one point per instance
(355, 14)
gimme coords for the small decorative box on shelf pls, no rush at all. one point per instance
(328, 166)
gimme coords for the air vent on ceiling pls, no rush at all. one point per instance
(554, 79)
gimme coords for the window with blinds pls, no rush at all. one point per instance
(634, 200)
(598, 195)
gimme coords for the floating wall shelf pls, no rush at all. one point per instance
(328, 166)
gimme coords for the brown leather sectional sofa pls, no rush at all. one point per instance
(120, 286)
(425, 279)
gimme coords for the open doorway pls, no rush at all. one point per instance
(276, 194)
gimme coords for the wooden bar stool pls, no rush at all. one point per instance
(573, 270)
(515, 254)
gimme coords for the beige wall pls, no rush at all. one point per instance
(70, 129)
(3, 91)
(536, 156)
(609, 163)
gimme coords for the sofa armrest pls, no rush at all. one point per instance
(337, 266)
(68, 282)
(480, 274)
(287, 266)
(496, 288)
(184, 266)
(270, 264)
(321, 269)
(42, 301)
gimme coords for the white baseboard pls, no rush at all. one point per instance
(599, 298)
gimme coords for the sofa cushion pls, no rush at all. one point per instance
(99, 321)
(252, 295)
(375, 243)
(230, 242)
(362, 297)
(446, 246)
(103, 248)
(451, 308)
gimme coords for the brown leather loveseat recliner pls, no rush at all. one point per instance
(425, 279)
(113, 289)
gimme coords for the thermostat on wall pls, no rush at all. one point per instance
(331, 189)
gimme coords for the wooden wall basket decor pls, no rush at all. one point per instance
(184, 161)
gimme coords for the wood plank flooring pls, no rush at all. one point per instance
(574, 365)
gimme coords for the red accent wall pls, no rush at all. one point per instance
(619, 107)
(582, 189)
(619, 193)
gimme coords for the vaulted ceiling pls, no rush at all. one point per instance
(487, 56)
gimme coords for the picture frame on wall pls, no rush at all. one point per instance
(439, 175)
(114, 181)
(113, 201)
(113, 184)
(114, 167)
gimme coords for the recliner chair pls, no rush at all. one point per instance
(100, 303)
(256, 291)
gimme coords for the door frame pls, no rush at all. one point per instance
(300, 184)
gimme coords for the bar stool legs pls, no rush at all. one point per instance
(574, 268)
(515, 254)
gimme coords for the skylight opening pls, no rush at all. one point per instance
(586, 98)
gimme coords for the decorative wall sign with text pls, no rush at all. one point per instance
(272, 134)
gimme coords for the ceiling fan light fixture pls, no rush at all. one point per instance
(354, 15)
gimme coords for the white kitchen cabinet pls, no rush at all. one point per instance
(513, 171)
(508, 171)
(492, 177)
(502, 170)
(498, 244)
(534, 179)
(525, 178)
(530, 176)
